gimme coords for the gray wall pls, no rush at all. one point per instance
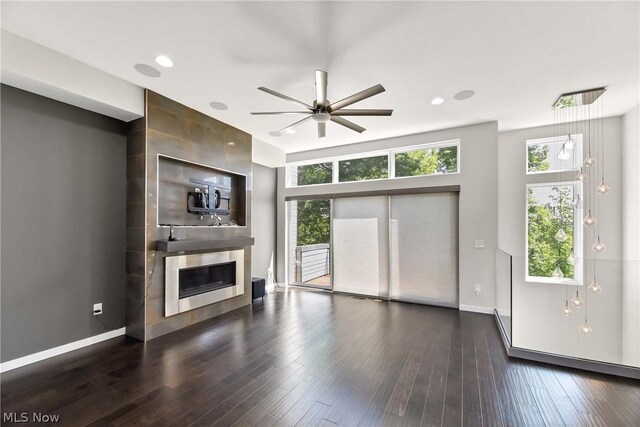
(63, 223)
(478, 181)
(539, 304)
(263, 212)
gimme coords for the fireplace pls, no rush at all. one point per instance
(196, 280)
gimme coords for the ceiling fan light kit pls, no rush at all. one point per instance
(322, 111)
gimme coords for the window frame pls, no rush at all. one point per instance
(391, 162)
(554, 139)
(578, 238)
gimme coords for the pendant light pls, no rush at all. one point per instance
(577, 202)
(561, 236)
(598, 247)
(569, 143)
(577, 301)
(586, 328)
(603, 188)
(590, 220)
(566, 310)
(595, 286)
(582, 175)
(564, 153)
(571, 259)
(557, 273)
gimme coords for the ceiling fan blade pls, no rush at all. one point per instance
(347, 123)
(356, 97)
(362, 112)
(294, 124)
(282, 96)
(322, 130)
(264, 113)
(321, 88)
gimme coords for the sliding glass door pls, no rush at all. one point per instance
(403, 247)
(424, 248)
(309, 242)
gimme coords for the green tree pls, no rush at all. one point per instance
(318, 173)
(313, 222)
(427, 161)
(538, 157)
(545, 219)
(363, 169)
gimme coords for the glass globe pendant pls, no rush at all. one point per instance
(557, 273)
(595, 286)
(590, 220)
(585, 328)
(590, 161)
(577, 301)
(603, 188)
(581, 176)
(598, 247)
(571, 259)
(566, 310)
(561, 236)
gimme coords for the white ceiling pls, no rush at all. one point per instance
(517, 56)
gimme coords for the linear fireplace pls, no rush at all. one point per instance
(196, 280)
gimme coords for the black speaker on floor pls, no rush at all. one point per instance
(258, 288)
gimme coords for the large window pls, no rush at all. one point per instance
(554, 234)
(556, 154)
(427, 159)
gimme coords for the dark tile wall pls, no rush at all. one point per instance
(176, 131)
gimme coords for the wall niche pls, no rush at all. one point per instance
(194, 195)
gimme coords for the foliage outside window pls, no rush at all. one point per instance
(363, 169)
(317, 173)
(314, 220)
(542, 154)
(427, 161)
(551, 233)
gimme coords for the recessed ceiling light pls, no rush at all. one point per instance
(289, 131)
(147, 70)
(231, 143)
(275, 134)
(164, 60)
(218, 105)
(463, 94)
(437, 100)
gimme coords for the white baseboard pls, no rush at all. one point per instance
(56, 351)
(476, 309)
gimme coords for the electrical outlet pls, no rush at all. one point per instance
(478, 243)
(97, 309)
(476, 289)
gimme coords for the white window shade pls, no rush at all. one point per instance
(424, 248)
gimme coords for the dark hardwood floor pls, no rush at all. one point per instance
(310, 358)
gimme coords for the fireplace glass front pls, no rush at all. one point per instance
(206, 278)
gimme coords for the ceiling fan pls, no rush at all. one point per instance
(323, 111)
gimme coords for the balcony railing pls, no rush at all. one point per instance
(312, 261)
